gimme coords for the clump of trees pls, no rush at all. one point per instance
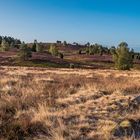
(25, 52)
(10, 40)
(4, 45)
(96, 49)
(123, 57)
(7, 43)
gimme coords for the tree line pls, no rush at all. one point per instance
(122, 55)
(7, 42)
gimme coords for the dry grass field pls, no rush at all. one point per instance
(69, 104)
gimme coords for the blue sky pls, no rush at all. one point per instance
(104, 21)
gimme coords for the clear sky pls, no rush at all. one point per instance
(103, 21)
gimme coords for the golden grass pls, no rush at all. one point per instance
(65, 104)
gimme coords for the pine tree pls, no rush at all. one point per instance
(34, 47)
(37, 47)
(123, 57)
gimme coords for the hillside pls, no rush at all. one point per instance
(71, 56)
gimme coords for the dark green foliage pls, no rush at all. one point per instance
(61, 55)
(137, 56)
(112, 50)
(58, 42)
(34, 47)
(87, 44)
(65, 43)
(10, 40)
(123, 57)
(87, 50)
(0, 39)
(133, 53)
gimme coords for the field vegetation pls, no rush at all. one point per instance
(68, 91)
(64, 55)
(69, 104)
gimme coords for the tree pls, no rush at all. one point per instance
(91, 50)
(12, 45)
(25, 52)
(112, 50)
(10, 40)
(87, 44)
(123, 57)
(34, 46)
(58, 42)
(65, 43)
(96, 48)
(61, 55)
(0, 39)
(87, 50)
(101, 50)
(38, 48)
(53, 50)
(4, 45)
(17, 42)
(132, 53)
(80, 51)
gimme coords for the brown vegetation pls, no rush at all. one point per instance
(64, 104)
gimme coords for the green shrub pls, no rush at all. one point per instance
(53, 50)
(34, 47)
(25, 52)
(4, 45)
(39, 48)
